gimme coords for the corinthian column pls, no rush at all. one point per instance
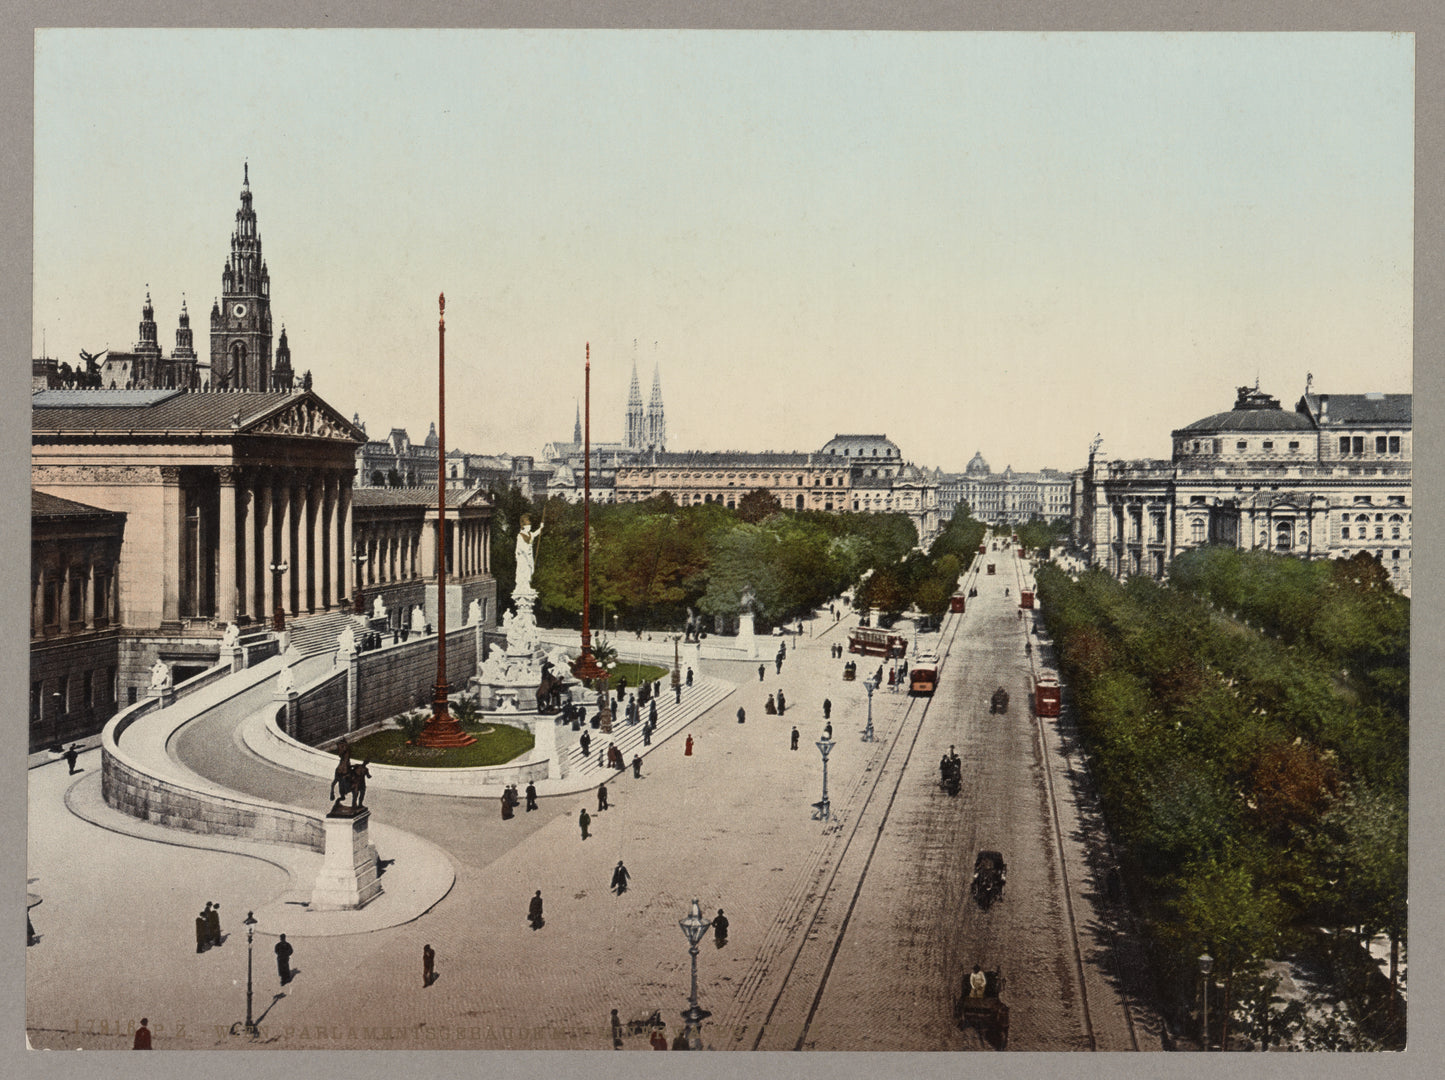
(226, 548)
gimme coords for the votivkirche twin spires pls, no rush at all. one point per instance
(241, 356)
(645, 431)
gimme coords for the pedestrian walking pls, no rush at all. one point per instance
(794, 746)
(687, 749)
(637, 766)
(828, 730)
(771, 708)
(71, 755)
(531, 796)
(203, 930)
(679, 1041)
(689, 678)
(534, 911)
(283, 959)
(677, 693)
(616, 1031)
(652, 713)
(742, 716)
(720, 929)
(584, 820)
(619, 878)
(586, 743)
(506, 806)
(601, 797)
(782, 702)
(428, 965)
(599, 757)
(827, 709)
(215, 923)
(646, 734)
(761, 672)
(779, 662)
(142, 1036)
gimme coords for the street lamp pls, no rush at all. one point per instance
(820, 808)
(676, 661)
(694, 926)
(1206, 965)
(250, 924)
(279, 623)
(870, 686)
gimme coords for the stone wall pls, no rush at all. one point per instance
(321, 713)
(52, 663)
(400, 677)
(164, 802)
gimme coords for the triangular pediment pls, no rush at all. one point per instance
(307, 416)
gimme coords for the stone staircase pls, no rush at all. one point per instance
(318, 633)
(671, 719)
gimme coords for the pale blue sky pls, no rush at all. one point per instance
(1003, 242)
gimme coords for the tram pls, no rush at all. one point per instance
(1046, 695)
(875, 642)
(923, 675)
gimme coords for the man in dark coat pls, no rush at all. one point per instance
(601, 797)
(720, 929)
(795, 740)
(586, 743)
(827, 709)
(584, 820)
(203, 931)
(428, 965)
(71, 755)
(531, 796)
(652, 713)
(677, 693)
(534, 911)
(637, 766)
(742, 716)
(619, 878)
(283, 959)
(646, 734)
(506, 806)
(689, 678)
(214, 921)
(761, 672)
(782, 702)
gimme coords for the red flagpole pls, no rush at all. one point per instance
(586, 666)
(441, 729)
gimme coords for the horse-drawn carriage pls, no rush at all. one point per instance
(989, 875)
(999, 702)
(985, 1012)
(950, 770)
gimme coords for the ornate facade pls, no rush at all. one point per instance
(1006, 498)
(1328, 480)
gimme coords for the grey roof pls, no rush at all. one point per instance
(98, 399)
(415, 496)
(1249, 420)
(43, 505)
(726, 459)
(1369, 410)
(177, 412)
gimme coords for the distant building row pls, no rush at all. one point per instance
(1006, 498)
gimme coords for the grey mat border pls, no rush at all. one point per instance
(1425, 19)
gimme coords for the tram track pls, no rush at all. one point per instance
(914, 716)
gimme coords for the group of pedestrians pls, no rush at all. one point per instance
(208, 927)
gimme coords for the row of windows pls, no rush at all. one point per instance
(72, 693)
(1355, 444)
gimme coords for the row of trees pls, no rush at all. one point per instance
(926, 579)
(651, 561)
(1254, 792)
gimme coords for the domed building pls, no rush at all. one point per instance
(1327, 480)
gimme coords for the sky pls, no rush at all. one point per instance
(1005, 242)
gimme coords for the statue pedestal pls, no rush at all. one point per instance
(348, 873)
(746, 641)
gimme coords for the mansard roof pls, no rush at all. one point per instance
(1362, 410)
(187, 413)
(728, 459)
(1253, 410)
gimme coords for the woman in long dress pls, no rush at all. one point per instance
(526, 547)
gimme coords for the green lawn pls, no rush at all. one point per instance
(637, 674)
(496, 744)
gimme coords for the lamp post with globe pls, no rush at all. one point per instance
(1206, 965)
(694, 926)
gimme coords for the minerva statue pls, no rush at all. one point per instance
(526, 549)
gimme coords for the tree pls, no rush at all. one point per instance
(758, 505)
